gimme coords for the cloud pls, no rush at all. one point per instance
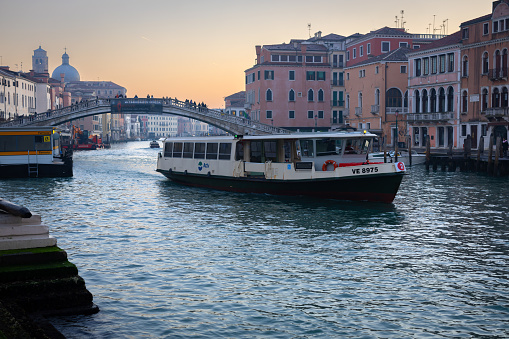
(145, 38)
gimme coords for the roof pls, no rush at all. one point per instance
(291, 47)
(399, 54)
(449, 40)
(476, 20)
(237, 95)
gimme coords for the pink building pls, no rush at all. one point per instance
(290, 86)
(434, 92)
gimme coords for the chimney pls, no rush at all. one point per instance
(258, 52)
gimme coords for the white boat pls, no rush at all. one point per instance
(324, 165)
(154, 144)
(403, 156)
(33, 152)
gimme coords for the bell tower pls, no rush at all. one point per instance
(40, 61)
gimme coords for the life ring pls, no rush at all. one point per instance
(332, 162)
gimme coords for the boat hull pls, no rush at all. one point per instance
(44, 171)
(375, 188)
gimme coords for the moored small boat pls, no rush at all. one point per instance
(154, 144)
(324, 165)
(403, 156)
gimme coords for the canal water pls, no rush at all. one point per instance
(163, 260)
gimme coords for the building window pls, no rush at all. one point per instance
(403, 44)
(320, 114)
(268, 114)
(495, 26)
(347, 76)
(310, 75)
(485, 29)
(291, 114)
(347, 55)
(465, 66)
(268, 95)
(417, 66)
(484, 100)
(320, 95)
(463, 130)
(368, 48)
(464, 33)
(403, 69)
(464, 102)
(386, 46)
(310, 114)
(426, 66)
(291, 75)
(433, 65)
(376, 70)
(450, 57)
(485, 63)
(354, 53)
(291, 95)
(441, 59)
(361, 51)
(320, 76)
(269, 75)
(311, 95)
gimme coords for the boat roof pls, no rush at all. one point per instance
(28, 129)
(291, 136)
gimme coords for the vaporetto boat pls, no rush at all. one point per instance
(33, 152)
(325, 165)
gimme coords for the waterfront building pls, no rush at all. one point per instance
(234, 104)
(376, 93)
(289, 86)
(434, 92)
(17, 94)
(161, 126)
(484, 75)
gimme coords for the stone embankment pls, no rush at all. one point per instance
(36, 278)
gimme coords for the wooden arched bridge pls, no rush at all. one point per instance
(149, 106)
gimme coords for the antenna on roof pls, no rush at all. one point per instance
(309, 29)
(402, 21)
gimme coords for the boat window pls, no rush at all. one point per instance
(26, 142)
(270, 150)
(256, 151)
(188, 150)
(7, 143)
(327, 146)
(225, 150)
(288, 151)
(365, 146)
(352, 146)
(177, 150)
(239, 151)
(43, 143)
(199, 150)
(306, 148)
(168, 149)
(211, 150)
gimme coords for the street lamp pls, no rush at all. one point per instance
(396, 146)
(316, 121)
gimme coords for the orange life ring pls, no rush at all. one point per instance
(332, 162)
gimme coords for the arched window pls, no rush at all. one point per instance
(417, 102)
(377, 96)
(268, 95)
(291, 95)
(450, 99)
(485, 63)
(359, 99)
(311, 95)
(464, 102)
(498, 61)
(465, 66)
(495, 100)
(433, 100)
(441, 100)
(393, 98)
(504, 63)
(504, 98)
(425, 108)
(348, 101)
(320, 94)
(484, 98)
(405, 100)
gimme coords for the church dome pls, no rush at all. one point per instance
(70, 73)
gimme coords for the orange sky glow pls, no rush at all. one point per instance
(197, 49)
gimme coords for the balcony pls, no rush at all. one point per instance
(496, 112)
(402, 110)
(430, 117)
(337, 103)
(337, 82)
(346, 112)
(358, 111)
(375, 109)
(497, 74)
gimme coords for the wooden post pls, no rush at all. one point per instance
(490, 154)
(428, 152)
(498, 147)
(409, 143)
(479, 151)
(451, 164)
(14, 209)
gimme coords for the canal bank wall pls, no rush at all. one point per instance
(36, 278)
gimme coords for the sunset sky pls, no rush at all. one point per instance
(195, 49)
